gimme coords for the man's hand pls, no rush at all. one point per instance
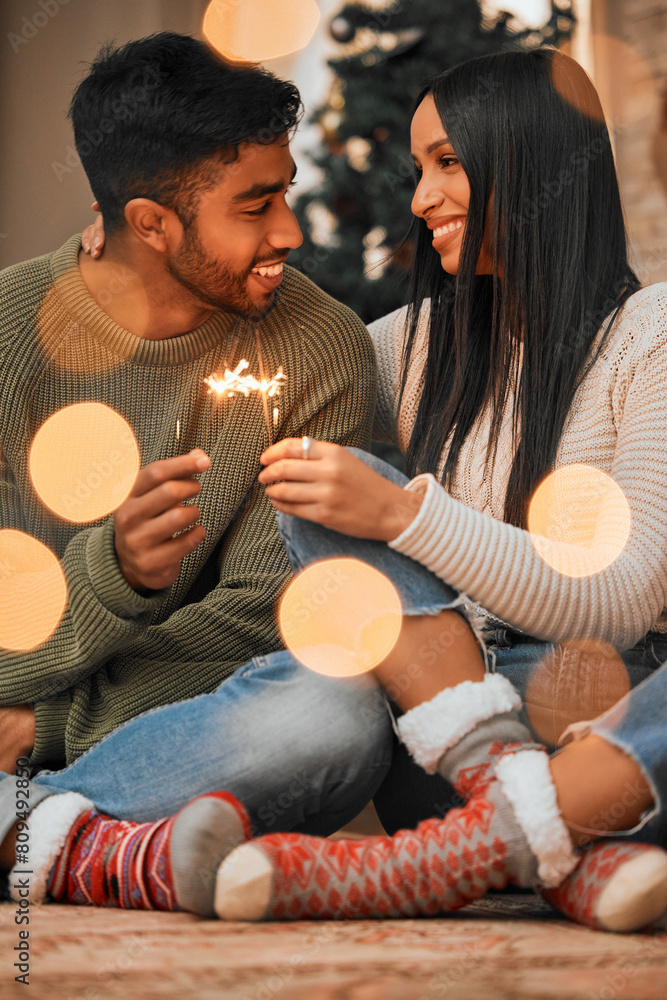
(17, 735)
(148, 554)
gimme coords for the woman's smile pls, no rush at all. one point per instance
(445, 232)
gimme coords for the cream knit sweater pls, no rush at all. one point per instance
(617, 423)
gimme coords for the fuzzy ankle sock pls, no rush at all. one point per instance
(617, 886)
(437, 868)
(463, 731)
(170, 864)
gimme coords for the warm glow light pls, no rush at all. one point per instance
(577, 681)
(232, 382)
(340, 617)
(579, 520)
(531, 13)
(253, 31)
(77, 352)
(33, 591)
(624, 81)
(83, 461)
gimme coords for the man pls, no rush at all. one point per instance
(191, 168)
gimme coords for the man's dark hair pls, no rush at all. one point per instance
(157, 118)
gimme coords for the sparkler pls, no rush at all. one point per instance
(233, 382)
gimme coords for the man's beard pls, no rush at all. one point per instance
(212, 282)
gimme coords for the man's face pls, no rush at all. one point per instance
(231, 256)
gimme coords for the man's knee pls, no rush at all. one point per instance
(356, 732)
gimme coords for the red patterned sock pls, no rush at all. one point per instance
(437, 868)
(617, 886)
(170, 864)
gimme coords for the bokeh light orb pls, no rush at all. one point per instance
(340, 617)
(83, 461)
(252, 31)
(33, 591)
(575, 682)
(579, 520)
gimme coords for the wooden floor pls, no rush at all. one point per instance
(505, 948)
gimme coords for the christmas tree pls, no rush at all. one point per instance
(355, 220)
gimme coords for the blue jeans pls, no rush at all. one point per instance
(636, 723)
(306, 752)
(540, 671)
(300, 751)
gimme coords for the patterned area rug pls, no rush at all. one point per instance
(507, 947)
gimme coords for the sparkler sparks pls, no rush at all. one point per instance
(233, 382)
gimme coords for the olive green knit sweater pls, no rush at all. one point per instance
(117, 654)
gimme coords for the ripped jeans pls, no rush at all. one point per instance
(306, 752)
(299, 750)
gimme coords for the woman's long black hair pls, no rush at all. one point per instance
(529, 131)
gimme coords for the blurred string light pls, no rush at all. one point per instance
(358, 152)
(525, 13)
(323, 225)
(371, 43)
(340, 617)
(33, 591)
(579, 520)
(253, 31)
(377, 255)
(83, 461)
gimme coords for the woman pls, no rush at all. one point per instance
(529, 346)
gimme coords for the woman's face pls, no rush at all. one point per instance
(443, 191)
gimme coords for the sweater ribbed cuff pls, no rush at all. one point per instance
(111, 588)
(417, 538)
(50, 725)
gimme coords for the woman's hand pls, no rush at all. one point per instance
(93, 238)
(337, 490)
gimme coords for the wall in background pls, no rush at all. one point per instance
(43, 55)
(626, 53)
(44, 194)
(641, 139)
